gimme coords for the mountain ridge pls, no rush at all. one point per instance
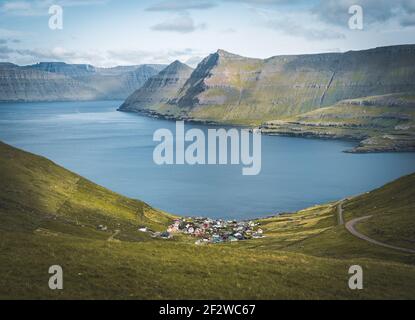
(226, 87)
(159, 89)
(271, 93)
(59, 81)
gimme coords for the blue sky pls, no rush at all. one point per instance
(122, 32)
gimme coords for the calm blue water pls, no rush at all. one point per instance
(115, 149)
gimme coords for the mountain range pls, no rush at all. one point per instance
(158, 91)
(228, 87)
(58, 81)
(272, 93)
(364, 95)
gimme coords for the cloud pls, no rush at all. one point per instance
(336, 12)
(5, 41)
(194, 61)
(374, 11)
(40, 7)
(407, 20)
(301, 24)
(99, 58)
(291, 27)
(228, 30)
(7, 33)
(5, 51)
(262, 2)
(180, 24)
(182, 5)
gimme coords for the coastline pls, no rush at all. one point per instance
(365, 142)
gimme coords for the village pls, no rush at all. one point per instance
(210, 231)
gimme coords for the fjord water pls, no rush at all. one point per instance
(115, 149)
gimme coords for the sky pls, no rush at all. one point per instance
(107, 33)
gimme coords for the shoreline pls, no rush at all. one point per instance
(359, 148)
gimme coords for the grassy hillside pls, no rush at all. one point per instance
(49, 215)
(381, 123)
(317, 231)
(37, 195)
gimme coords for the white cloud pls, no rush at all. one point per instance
(99, 58)
(194, 61)
(174, 5)
(40, 7)
(300, 24)
(181, 24)
(374, 11)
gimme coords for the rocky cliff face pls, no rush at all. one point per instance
(58, 81)
(27, 84)
(119, 83)
(160, 90)
(228, 87)
(70, 70)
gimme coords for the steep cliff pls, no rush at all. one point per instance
(113, 83)
(231, 88)
(58, 81)
(28, 84)
(159, 90)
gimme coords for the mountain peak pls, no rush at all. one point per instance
(225, 54)
(176, 66)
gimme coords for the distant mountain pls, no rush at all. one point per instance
(52, 81)
(160, 89)
(120, 82)
(229, 88)
(28, 84)
(70, 70)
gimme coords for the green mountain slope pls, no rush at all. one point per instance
(49, 216)
(229, 88)
(317, 230)
(381, 123)
(37, 195)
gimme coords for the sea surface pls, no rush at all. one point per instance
(115, 149)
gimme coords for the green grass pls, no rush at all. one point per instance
(49, 215)
(382, 123)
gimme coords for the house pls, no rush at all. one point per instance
(165, 235)
(213, 230)
(173, 228)
(232, 239)
(143, 229)
(238, 236)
